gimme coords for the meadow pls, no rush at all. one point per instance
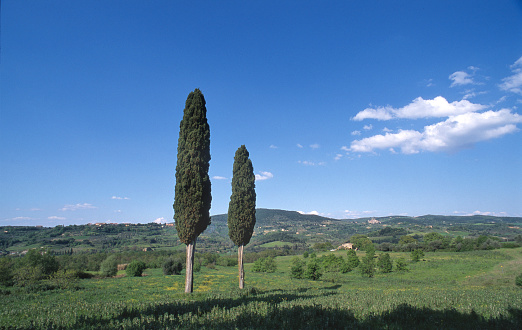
(468, 290)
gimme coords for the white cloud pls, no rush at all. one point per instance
(264, 176)
(513, 83)
(75, 207)
(22, 218)
(315, 146)
(356, 133)
(386, 129)
(457, 132)
(160, 220)
(460, 78)
(299, 145)
(273, 146)
(420, 108)
(309, 163)
(338, 156)
(55, 218)
(217, 177)
(310, 213)
(116, 197)
(368, 127)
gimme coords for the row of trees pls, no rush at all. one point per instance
(434, 241)
(193, 196)
(313, 268)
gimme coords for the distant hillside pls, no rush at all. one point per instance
(274, 228)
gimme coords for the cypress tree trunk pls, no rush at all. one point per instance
(189, 279)
(240, 266)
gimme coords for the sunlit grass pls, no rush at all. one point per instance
(466, 289)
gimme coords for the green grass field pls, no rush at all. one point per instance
(470, 290)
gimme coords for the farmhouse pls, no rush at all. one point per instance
(345, 246)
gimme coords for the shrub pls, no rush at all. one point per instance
(313, 270)
(518, 280)
(417, 255)
(384, 263)
(353, 260)
(367, 266)
(65, 279)
(331, 263)
(109, 266)
(298, 267)
(400, 265)
(227, 261)
(6, 276)
(135, 268)
(172, 266)
(265, 265)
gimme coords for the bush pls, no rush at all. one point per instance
(417, 255)
(109, 266)
(518, 280)
(384, 263)
(298, 267)
(6, 276)
(400, 265)
(227, 261)
(172, 266)
(353, 260)
(313, 270)
(265, 265)
(135, 268)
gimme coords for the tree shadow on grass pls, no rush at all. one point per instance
(280, 312)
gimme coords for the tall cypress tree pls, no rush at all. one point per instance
(242, 206)
(192, 193)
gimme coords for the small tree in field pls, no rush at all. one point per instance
(135, 268)
(109, 266)
(192, 192)
(353, 260)
(367, 265)
(298, 268)
(313, 270)
(242, 206)
(417, 255)
(384, 263)
(401, 265)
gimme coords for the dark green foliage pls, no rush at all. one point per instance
(407, 239)
(332, 264)
(518, 280)
(242, 207)
(389, 231)
(192, 193)
(313, 270)
(367, 265)
(227, 261)
(417, 255)
(172, 266)
(109, 266)
(265, 265)
(325, 246)
(384, 263)
(298, 268)
(43, 260)
(135, 268)
(401, 265)
(6, 275)
(430, 237)
(353, 260)
(361, 242)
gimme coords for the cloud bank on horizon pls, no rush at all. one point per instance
(466, 123)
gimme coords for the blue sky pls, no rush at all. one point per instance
(348, 108)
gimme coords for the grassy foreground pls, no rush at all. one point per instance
(472, 290)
